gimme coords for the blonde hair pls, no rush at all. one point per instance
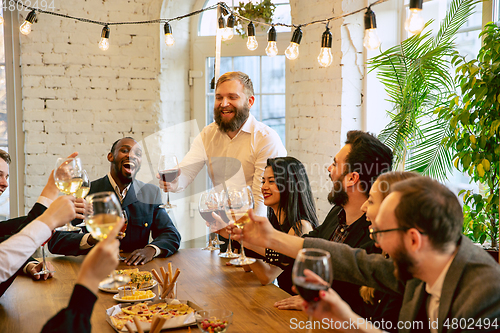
(240, 76)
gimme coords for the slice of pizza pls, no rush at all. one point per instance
(139, 309)
(120, 319)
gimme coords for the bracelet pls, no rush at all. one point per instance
(272, 257)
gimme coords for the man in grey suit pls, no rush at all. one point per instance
(448, 284)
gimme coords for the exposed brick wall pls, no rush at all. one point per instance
(79, 98)
(321, 100)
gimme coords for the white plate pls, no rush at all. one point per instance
(115, 290)
(81, 225)
(117, 298)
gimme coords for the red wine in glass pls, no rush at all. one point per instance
(222, 214)
(207, 216)
(309, 291)
(169, 175)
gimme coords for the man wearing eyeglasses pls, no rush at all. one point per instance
(448, 284)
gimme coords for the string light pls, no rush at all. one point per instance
(1, 19)
(26, 26)
(272, 48)
(292, 51)
(371, 40)
(325, 57)
(252, 41)
(228, 32)
(415, 23)
(169, 38)
(104, 43)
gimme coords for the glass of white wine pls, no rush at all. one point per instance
(101, 215)
(85, 187)
(68, 179)
(237, 202)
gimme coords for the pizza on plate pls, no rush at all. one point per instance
(138, 279)
(146, 312)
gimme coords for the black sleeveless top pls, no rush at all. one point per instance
(286, 264)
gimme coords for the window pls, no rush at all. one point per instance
(268, 78)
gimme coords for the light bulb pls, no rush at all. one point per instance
(292, 51)
(104, 43)
(371, 41)
(414, 23)
(25, 28)
(325, 57)
(1, 19)
(169, 38)
(271, 49)
(227, 34)
(252, 43)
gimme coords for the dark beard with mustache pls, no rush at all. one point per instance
(240, 116)
(338, 196)
(403, 263)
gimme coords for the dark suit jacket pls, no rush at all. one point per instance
(471, 288)
(144, 217)
(13, 226)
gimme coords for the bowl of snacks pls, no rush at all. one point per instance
(213, 321)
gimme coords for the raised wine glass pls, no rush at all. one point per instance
(122, 234)
(318, 261)
(168, 168)
(237, 202)
(68, 179)
(85, 187)
(210, 202)
(101, 214)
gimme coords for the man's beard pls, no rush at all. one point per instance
(403, 264)
(240, 116)
(338, 196)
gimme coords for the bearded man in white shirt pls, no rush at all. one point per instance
(235, 147)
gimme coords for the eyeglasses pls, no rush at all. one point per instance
(374, 233)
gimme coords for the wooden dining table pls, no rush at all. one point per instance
(205, 279)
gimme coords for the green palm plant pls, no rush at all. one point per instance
(417, 78)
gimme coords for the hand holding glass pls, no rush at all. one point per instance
(68, 179)
(318, 261)
(101, 214)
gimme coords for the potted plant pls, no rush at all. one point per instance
(417, 75)
(257, 12)
(473, 115)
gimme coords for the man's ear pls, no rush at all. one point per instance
(251, 100)
(110, 157)
(352, 178)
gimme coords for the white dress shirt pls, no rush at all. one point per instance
(19, 247)
(236, 162)
(435, 294)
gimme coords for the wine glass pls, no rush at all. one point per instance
(229, 251)
(210, 202)
(318, 261)
(68, 179)
(168, 168)
(101, 214)
(44, 268)
(237, 202)
(85, 187)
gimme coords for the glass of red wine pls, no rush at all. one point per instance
(210, 202)
(168, 168)
(318, 261)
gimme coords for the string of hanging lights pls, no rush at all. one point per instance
(414, 24)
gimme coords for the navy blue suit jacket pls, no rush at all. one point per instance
(144, 217)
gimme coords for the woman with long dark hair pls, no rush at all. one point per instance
(291, 209)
